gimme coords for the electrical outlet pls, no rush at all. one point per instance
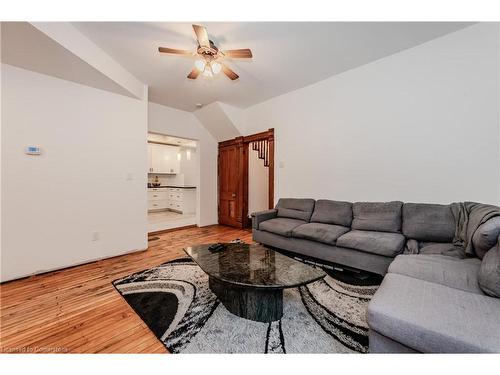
(96, 236)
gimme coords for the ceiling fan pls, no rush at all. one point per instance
(210, 57)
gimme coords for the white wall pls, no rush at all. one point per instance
(420, 125)
(90, 177)
(258, 183)
(215, 119)
(169, 121)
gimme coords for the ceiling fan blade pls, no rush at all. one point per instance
(243, 53)
(194, 73)
(175, 51)
(229, 72)
(202, 36)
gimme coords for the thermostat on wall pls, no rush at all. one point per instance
(33, 150)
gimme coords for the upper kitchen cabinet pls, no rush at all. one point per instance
(163, 159)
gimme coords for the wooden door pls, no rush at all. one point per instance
(233, 177)
(231, 158)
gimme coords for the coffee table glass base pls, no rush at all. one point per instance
(258, 304)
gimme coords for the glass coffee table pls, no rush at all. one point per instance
(249, 279)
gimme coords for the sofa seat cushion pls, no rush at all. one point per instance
(377, 216)
(332, 212)
(441, 269)
(381, 243)
(281, 225)
(430, 317)
(428, 222)
(319, 232)
(295, 208)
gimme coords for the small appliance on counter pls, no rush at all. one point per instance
(156, 183)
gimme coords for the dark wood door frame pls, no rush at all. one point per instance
(242, 144)
(269, 136)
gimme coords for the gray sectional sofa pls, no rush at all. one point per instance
(434, 304)
(439, 294)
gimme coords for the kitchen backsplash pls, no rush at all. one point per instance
(168, 179)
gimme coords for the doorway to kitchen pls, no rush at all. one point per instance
(173, 180)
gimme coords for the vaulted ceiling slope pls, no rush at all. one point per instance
(287, 56)
(24, 46)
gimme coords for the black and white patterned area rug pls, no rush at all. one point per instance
(174, 300)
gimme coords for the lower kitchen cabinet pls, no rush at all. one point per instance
(179, 200)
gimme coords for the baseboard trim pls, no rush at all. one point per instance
(56, 269)
(171, 230)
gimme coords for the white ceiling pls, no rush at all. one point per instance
(156, 137)
(26, 47)
(287, 56)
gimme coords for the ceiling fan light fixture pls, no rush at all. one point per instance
(208, 72)
(216, 67)
(207, 52)
(200, 65)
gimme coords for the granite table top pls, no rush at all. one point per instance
(253, 266)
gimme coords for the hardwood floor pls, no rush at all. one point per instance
(77, 310)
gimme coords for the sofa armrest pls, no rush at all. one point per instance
(486, 236)
(259, 217)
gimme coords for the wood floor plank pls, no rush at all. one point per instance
(77, 310)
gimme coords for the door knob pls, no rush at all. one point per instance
(233, 195)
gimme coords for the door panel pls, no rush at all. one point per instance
(233, 178)
(229, 171)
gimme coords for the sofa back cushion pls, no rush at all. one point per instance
(377, 216)
(428, 222)
(295, 208)
(489, 273)
(332, 212)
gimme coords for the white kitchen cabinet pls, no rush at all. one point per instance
(182, 200)
(158, 199)
(163, 159)
(179, 200)
(150, 157)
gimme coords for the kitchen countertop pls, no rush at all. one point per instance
(173, 186)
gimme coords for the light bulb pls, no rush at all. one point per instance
(216, 67)
(200, 65)
(179, 156)
(207, 72)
